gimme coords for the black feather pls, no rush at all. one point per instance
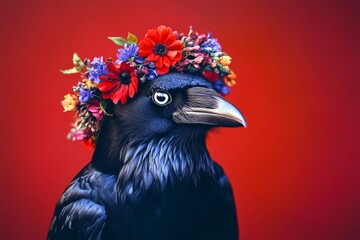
(149, 178)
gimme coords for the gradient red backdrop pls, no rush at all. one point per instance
(294, 170)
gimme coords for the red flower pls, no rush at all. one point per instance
(161, 46)
(90, 144)
(120, 82)
(210, 75)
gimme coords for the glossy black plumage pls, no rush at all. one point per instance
(150, 177)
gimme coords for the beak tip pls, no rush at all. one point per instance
(244, 124)
(234, 115)
(241, 122)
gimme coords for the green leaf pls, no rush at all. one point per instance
(131, 38)
(78, 65)
(70, 71)
(103, 104)
(118, 40)
(225, 69)
(76, 59)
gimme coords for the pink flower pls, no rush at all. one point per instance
(79, 135)
(95, 109)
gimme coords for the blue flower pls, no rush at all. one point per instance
(210, 45)
(152, 74)
(139, 60)
(98, 69)
(85, 95)
(221, 87)
(127, 53)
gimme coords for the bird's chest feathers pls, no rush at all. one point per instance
(163, 168)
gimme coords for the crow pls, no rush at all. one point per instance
(151, 175)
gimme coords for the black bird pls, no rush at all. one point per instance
(151, 176)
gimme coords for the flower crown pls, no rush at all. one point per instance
(159, 52)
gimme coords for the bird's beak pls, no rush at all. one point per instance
(205, 106)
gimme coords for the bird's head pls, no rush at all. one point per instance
(175, 102)
(182, 107)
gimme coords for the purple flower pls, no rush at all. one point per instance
(127, 53)
(210, 45)
(98, 69)
(221, 88)
(85, 95)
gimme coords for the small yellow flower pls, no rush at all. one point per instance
(69, 103)
(88, 83)
(230, 79)
(225, 60)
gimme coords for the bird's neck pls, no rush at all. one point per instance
(142, 164)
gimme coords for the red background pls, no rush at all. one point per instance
(294, 170)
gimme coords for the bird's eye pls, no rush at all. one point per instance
(161, 98)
